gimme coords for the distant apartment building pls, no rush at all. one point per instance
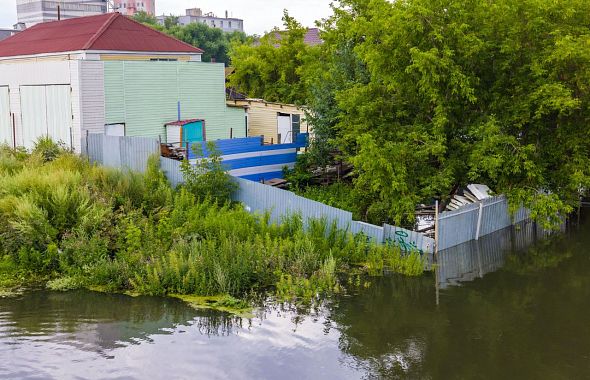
(31, 12)
(194, 15)
(131, 7)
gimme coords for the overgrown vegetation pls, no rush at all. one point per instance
(422, 95)
(71, 224)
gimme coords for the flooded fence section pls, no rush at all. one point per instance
(475, 220)
(119, 151)
(475, 258)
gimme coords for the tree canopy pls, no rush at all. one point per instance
(424, 95)
(435, 93)
(271, 67)
(215, 42)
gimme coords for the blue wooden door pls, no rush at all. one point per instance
(193, 132)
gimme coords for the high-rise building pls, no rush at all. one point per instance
(227, 24)
(31, 12)
(131, 7)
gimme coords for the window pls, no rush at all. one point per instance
(230, 24)
(222, 24)
(295, 125)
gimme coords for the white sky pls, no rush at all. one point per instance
(259, 15)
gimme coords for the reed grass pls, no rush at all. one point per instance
(81, 225)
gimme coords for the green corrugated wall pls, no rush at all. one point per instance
(144, 96)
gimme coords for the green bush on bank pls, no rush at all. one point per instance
(73, 224)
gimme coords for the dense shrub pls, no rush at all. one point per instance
(75, 224)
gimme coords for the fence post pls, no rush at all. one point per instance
(436, 231)
(479, 220)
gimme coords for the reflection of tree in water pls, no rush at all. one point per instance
(106, 320)
(516, 323)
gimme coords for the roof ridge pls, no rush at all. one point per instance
(165, 35)
(100, 31)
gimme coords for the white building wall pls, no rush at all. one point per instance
(75, 99)
(92, 97)
(19, 73)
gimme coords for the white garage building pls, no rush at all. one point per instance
(66, 78)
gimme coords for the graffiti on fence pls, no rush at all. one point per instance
(402, 239)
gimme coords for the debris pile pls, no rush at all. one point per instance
(473, 193)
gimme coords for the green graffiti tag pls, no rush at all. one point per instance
(402, 240)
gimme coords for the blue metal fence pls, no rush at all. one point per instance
(250, 159)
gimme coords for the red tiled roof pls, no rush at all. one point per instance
(183, 122)
(111, 31)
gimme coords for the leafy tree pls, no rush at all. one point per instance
(170, 21)
(271, 67)
(422, 95)
(208, 178)
(215, 42)
(145, 18)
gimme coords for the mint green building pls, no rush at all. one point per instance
(142, 96)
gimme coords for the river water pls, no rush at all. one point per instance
(515, 305)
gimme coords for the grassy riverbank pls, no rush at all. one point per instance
(69, 224)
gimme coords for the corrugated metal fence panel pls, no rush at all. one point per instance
(521, 214)
(120, 152)
(135, 152)
(111, 151)
(92, 144)
(456, 227)
(171, 169)
(376, 233)
(495, 215)
(407, 240)
(459, 226)
(281, 203)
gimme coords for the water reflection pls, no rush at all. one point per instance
(474, 259)
(522, 316)
(527, 320)
(99, 322)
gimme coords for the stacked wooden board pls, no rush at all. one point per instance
(472, 194)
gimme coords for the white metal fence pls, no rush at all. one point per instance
(120, 152)
(257, 197)
(454, 227)
(475, 220)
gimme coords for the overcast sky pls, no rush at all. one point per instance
(259, 15)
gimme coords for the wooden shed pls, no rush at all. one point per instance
(279, 123)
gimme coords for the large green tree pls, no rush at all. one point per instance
(427, 94)
(214, 41)
(271, 67)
